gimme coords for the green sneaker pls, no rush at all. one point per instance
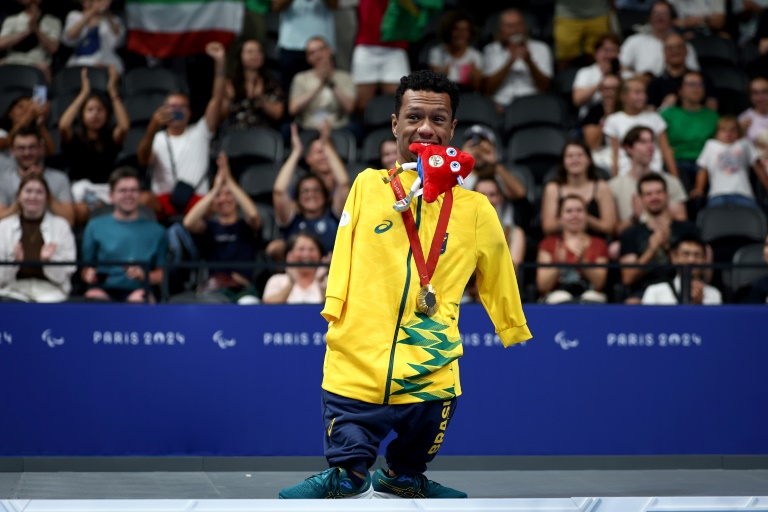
(330, 484)
(416, 486)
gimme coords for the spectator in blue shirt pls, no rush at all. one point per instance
(227, 235)
(123, 236)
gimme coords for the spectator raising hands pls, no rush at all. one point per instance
(322, 93)
(28, 154)
(91, 151)
(319, 195)
(228, 237)
(31, 37)
(252, 96)
(176, 151)
(95, 34)
(23, 112)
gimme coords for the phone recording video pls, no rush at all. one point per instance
(40, 94)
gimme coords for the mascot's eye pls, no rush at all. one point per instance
(451, 151)
(455, 166)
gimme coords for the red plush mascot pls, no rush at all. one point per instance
(439, 168)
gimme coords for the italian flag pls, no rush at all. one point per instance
(172, 28)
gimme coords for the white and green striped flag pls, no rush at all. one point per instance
(169, 28)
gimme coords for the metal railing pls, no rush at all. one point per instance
(163, 290)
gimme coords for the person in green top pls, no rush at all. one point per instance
(689, 124)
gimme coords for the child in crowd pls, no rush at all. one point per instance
(724, 164)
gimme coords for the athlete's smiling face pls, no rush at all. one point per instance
(425, 116)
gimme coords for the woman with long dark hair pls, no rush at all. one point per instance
(455, 57)
(92, 148)
(252, 96)
(577, 175)
(300, 284)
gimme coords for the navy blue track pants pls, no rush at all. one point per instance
(354, 430)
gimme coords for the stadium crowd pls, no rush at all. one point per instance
(623, 143)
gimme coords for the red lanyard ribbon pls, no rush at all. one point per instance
(425, 269)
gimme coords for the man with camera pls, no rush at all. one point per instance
(514, 64)
(178, 155)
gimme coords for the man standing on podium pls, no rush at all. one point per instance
(392, 303)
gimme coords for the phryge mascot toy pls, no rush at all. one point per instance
(439, 169)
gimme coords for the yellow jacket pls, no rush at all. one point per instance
(380, 348)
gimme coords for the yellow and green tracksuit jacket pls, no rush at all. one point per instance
(380, 348)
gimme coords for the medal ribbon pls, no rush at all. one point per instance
(425, 269)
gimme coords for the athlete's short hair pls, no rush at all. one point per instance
(427, 80)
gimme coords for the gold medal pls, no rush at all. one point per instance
(427, 300)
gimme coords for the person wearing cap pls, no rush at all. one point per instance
(480, 142)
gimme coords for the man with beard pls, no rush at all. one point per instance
(649, 241)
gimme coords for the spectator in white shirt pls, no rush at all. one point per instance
(31, 37)
(748, 13)
(514, 64)
(95, 34)
(634, 103)
(179, 152)
(643, 53)
(586, 84)
(724, 165)
(686, 250)
(700, 17)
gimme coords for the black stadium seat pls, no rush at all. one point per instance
(370, 151)
(152, 80)
(259, 143)
(730, 227)
(715, 51)
(141, 107)
(474, 108)
(20, 79)
(257, 181)
(740, 279)
(67, 80)
(378, 112)
(538, 148)
(534, 110)
(343, 141)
